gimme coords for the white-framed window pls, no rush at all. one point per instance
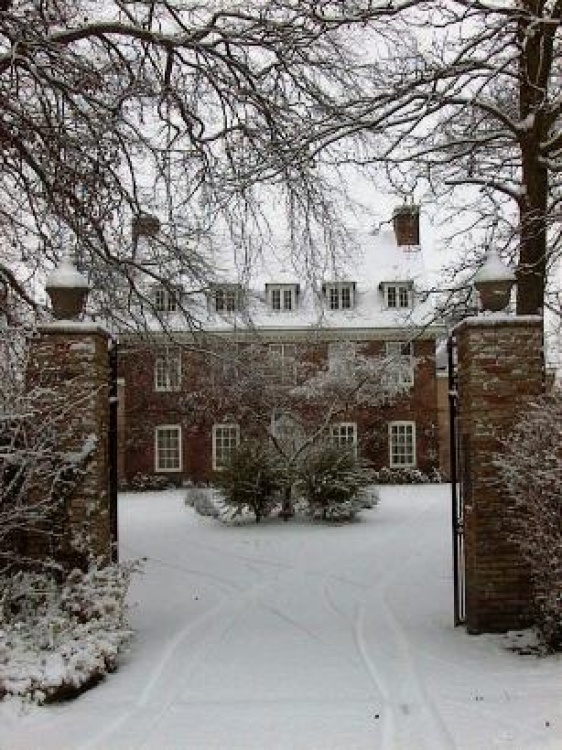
(227, 298)
(165, 300)
(400, 366)
(402, 444)
(167, 371)
(226, 438)
(341, 357)
(224, 364)
(282, 297)
(340, 295)
(344, 435)
(287, 431)
(167, 448)
(399, 296)
(283, 363)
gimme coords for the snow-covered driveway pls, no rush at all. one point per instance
(301, 636)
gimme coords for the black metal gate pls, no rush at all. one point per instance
(112, 449)
(457, 504)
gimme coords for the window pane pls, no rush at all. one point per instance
(231, 300)
(225, 442)
(283, 363)
(402, 447)
(345, 298)
(341, 357)
(219, 300)
(334, 298)
(276, 299)
(168, 442)
(391, 296)
(287, 299)
(400, 368)
(344, 434)
(404, 297)
(167, 372)
(159, 300)
(288, 432)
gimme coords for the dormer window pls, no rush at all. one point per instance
(165, 300)
(340, 295)
(398, 296)
(227, 299)
(282, 297)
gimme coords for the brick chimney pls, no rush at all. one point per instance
(406, 222)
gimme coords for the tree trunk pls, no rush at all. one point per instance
(535, 65)
(287, 510)
(531, 271)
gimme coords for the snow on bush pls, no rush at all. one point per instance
(144, 482)
(331, 481)
(205, 501)
(530, 466)
(58, 639)
(406, 475)
(250, 480)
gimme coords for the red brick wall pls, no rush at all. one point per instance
(72, 366)
(500, 366)
(146, 409)
(406, 222)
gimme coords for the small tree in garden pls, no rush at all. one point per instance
(250, 480)
(330, 480)
(290, 402)
(531, 469)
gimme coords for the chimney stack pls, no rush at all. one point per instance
(406, 222)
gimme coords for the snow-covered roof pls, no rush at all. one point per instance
(375, 262)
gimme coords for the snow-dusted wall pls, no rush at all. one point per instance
(69, 362)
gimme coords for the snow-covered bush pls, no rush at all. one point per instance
(205, 501)
(530, 467)
(406, 475)
(250, 480)
(144, 482)
(58, 639)
(330, 480)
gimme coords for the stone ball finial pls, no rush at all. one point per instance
(67, 289)
(494, 281)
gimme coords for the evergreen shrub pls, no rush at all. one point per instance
(249, 482)
(331, 480)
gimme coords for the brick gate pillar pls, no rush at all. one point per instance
(70, 361)
(500, 365)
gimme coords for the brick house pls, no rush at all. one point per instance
(188, 398)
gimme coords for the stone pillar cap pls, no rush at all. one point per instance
(66, 276)
(493, 269)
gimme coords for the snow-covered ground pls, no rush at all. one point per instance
(301, 637)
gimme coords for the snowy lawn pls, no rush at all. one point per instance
(300, 636)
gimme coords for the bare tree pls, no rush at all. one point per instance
(117, 110)
(465, 100)
(37, 469)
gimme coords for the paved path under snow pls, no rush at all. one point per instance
(302, 636)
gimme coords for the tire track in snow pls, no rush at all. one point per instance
(405, 670)
(237, 600)
(217, 622)
(377, 678)
(158, 673)
(224, 582)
